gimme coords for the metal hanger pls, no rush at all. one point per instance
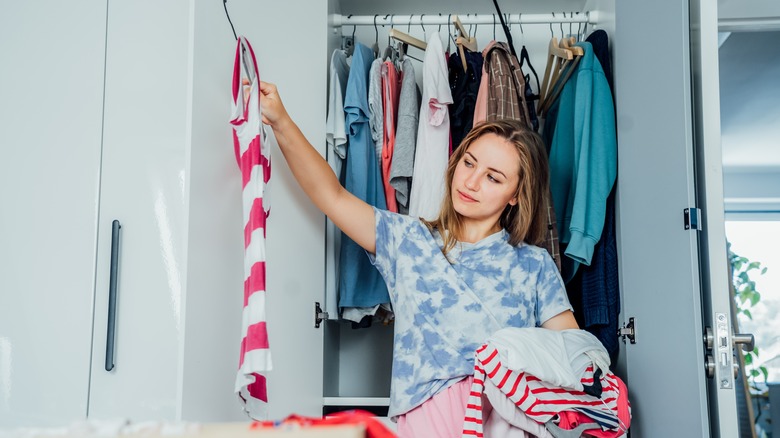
(249, 76)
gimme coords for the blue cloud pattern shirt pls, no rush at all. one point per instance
(444, 311)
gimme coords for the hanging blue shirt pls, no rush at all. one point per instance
(446, 309)
(360, 285)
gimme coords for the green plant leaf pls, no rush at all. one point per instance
(748, 314)
(748, 358)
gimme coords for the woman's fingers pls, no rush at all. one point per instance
(270, 103)
(268, 88)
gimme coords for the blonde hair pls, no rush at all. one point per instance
(527, 220)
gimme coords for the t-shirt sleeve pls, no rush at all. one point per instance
(390, 231)
(551, 298)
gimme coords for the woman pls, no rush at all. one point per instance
(453, 281)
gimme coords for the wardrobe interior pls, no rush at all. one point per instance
(357, 362)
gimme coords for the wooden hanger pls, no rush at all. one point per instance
(462, 41)
(557, 84)
(569, 44)
(558, 87)
(560, 64)
(407, 39)
(557, 54)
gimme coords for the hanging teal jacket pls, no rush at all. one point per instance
(583, 158)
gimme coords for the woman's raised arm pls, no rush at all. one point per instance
(352, 215)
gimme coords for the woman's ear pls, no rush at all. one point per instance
(512, 202)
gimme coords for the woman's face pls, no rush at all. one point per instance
(486, 179)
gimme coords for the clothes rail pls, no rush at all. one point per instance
(337, 20)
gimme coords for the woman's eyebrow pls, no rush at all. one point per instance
(489, 168)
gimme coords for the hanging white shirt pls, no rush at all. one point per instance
(433, 135)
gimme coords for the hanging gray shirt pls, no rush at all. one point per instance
(376, 115)
(402, 167)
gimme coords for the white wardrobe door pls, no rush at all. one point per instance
(51, 98)
(143, 175)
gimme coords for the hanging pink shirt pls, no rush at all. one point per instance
(253, 156)
(480, 108)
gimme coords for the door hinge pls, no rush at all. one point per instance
(692, 218)
(628, 331)
(319, 315)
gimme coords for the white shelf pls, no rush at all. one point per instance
(356, 401)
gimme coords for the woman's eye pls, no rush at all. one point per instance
(490, 178)
(467, 163)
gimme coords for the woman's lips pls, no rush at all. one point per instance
(466, 197)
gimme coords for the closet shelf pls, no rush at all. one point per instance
(356, 401)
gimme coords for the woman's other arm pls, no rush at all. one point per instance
(562, 321)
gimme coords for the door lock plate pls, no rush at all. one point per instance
(722, 353)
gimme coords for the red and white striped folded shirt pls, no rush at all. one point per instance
(539, 400)
(253, 156)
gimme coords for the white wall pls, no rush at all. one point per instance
(215, 252)
(753, 9)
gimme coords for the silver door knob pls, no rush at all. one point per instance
(709, 366)
(709, 338)
(746, 339)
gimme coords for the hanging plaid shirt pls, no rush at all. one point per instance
(506, 100)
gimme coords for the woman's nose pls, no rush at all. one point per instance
(472, 182)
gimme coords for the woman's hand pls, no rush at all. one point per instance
(271, 104)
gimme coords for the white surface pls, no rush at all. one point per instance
(356, 401)
(658, 258)
(749, 91)
(290, 44)
(142, 186)
(215, 248)
(51, 93)
(716, 297)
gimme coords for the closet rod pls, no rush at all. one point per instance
(337, 20)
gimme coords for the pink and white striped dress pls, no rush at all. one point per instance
(253, 156)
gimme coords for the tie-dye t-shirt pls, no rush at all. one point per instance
(444, 311)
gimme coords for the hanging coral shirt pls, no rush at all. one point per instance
(253, 156)
(391, 88)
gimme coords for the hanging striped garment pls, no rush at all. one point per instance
(539, 400)
(253, 156)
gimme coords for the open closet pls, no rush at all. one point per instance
(658, 111)
(358, 360)
(142, 132)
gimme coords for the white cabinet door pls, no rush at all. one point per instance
(142, 186)
(51, 102)
(296, 229)
(673, 280)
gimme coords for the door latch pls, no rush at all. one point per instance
(319, 315)
(692, 218)
(628, 331)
